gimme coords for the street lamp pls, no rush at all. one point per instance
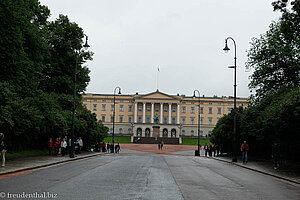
(198, 154)
(86, 46)
(114, 111)
(226, 49)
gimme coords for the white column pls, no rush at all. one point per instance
(161, 113)
(152, 113)
(170, 112)
(178, 114)
(135, 112)
(144, 113)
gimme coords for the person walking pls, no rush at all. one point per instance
(210, 149)
(205, 149)
(244, 150)
(117, 148)
(162, 144)
(159, 145)
(50, 146)
(276, 154)
(2, 148)
(80, 144)
(57, 146)
(104, 147)
(108, 147)
(63, 146)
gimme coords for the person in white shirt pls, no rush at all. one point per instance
(63, 146)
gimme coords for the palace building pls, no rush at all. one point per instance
(177, 114)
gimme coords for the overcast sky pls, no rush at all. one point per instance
(184, 38)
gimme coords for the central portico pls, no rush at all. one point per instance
(166, 107)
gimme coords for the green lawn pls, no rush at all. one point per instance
(118, 140)
(192, 141)
(26, 153)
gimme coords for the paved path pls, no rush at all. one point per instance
(142, 175)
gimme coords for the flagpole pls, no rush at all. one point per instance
(157, 78)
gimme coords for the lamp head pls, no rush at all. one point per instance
(194, 96)
(119, 91)
(226, 49)
(86, 45)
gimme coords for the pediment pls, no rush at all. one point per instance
(156, 96)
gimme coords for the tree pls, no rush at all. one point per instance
(274, 56)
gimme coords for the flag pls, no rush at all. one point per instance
(158, 69)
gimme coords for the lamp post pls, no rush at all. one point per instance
(114, 111)
(226, 49)
(86, 46)
(198, 121)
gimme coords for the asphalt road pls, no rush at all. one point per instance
(149, 176)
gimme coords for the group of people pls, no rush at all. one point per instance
(160, 145)
(62, 146)
(211, 149)
(110, 148)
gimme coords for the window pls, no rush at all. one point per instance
(183, 109)
(156, 108)
(183, 132)
(111, 118)
(148, 119)
(210, 110)
(229, 110)
(129, 131)
(210, 121)
(201, 110)
(192, 120)
(173, 120)
(201, 132)
(120, 130)
(112, 107)
(183, 120)
(139, 119)
(192, 133)
(192, 110)
(130, 108)
(165, 108)
(140, 107)
(219, 110)
(103, 118)
(129, 119)
(103, 107)
(111, 130)
(173, 108)
(165, 120)
(148, 108)
(121, 108)
(94, 107)
(84, 105)
(201, 120)
(121, 118)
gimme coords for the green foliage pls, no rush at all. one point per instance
(274, 56)
(38, 60)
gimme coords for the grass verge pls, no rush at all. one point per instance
(118, 140)
(192, 141)
(26, 153)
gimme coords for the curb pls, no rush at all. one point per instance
(49, 164)
(262, 172)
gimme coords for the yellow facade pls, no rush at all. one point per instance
(178, 115)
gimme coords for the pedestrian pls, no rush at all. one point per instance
(214, 150)
(59, 149)
(112, 148)
(63, 146)
(80, 144)
(218, 149)
(2, 148)
(159, 145)
(68, 147)
(56, 146)
(76, 146)
(210, 149)
(244, 150)
(104, 147)
(108, 147)
(162, 144)
(276, 154)
(117, 148)
(205, 149)
(50, 146)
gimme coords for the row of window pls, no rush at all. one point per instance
(147, 132)
(140, 108)
(165, 119)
